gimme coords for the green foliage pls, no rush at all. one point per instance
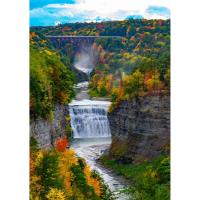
(55, 194)
(51, 82)
(80, 181)
(33, 144)
(144, 45)
(133, 84)
(118, 148)
(106, 193)
(62, 175)
(48, 170)
(151, 180)
(79, 176)
(68, 131)
(167, 78)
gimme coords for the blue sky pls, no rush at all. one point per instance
(52, 12)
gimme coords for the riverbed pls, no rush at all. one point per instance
(91, 149)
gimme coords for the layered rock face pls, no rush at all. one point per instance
(140, 128)
(46, 132)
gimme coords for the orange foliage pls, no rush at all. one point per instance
(91, 181)
(63, 97)
(148, 76)
(102, 57)
(62, 144)
(32, 103)
(148, 81)
(32, 165)
(33, 34)
(120, 90)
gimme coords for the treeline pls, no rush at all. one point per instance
(51, 81)
(143, 44)
(141, 40)
(141, 82)
(125, 28)
(58, 174)
(133, 66)
(143, 50)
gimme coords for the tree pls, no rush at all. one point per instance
(62, 144)
(55, 194)
(167, 78)
(157, 84)
(133, 84)
(49, 172)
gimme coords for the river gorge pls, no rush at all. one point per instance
(92, 136)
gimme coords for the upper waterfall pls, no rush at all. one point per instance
(89, 118)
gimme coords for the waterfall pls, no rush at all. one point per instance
(89, 118)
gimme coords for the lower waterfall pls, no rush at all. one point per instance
(89, 118)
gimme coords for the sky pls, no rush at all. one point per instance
(53, 12)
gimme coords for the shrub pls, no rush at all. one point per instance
(55, 194)
(62, 144)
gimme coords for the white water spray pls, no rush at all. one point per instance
(89, 119)
(85, 59)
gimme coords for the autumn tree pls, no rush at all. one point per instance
(55, 194)
(157, 83)
(167, 78)
(62, 144)
(133, 84)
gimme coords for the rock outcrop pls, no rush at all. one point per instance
(46, 132)
(140, 128)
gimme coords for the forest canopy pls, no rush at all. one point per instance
(51, 82)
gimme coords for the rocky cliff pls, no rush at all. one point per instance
(46, 132)
(140, 128)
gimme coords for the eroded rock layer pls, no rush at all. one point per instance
(140, 128)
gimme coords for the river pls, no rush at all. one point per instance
(92, 136)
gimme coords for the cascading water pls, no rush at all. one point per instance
(92, 136)
(89, 118)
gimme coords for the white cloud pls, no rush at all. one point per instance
(111, 6)
(89, 10)
(57, 23)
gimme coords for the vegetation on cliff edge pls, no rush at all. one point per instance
(51, 81)
(58, 174)
(150, 180)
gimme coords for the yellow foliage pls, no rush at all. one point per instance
(67, 159)
(48, 52)
(33, 34)
(32, 166)
(68, 179)
(35, 187)
(151, 173)
(91, 181)
(38, 158)
(70, 157)
(43, 41)
(55, 194)
(68, 118)
(63, 97)
(149, 84)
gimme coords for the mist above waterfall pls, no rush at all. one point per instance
(86, 59)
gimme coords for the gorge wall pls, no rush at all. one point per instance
(46, 132)
(140, 128)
